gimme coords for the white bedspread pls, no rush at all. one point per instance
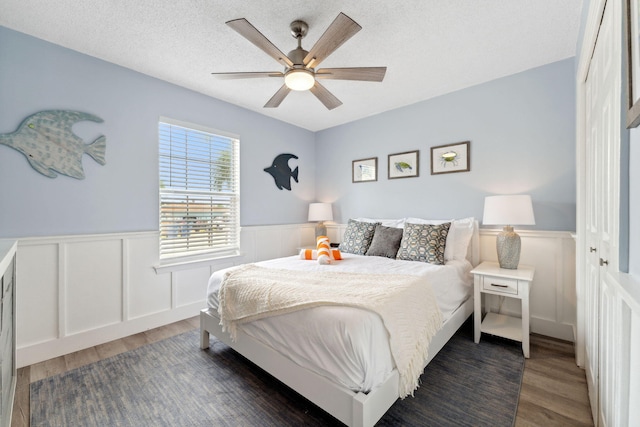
(348, 345)
(404, 302)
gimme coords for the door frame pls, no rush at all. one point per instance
(592, 26)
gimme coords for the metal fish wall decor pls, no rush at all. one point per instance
(50, 146)
(281, 172)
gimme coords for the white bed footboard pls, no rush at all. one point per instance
(351, 408)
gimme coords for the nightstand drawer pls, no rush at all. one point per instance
(497, 284)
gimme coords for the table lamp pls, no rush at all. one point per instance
(508, 211)
(320, 212)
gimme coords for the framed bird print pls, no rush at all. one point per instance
(364, 170)
(404, 165)
(450, 158)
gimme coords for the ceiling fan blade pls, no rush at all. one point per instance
(369, 74)
(340, 30)
(327, 98)
(248, 75)
(249, 32)
(279, 96)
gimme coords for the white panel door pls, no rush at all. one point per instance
(602, 204)
(592, 219)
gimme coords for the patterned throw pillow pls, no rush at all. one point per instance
(357, 237)
(424, 242)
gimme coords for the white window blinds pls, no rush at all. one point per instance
(199, 191)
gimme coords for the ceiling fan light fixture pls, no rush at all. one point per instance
(300, 65)
(299, 79)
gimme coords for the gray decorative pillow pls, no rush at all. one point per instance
(386, 241)
(357, 237)
(424, 242)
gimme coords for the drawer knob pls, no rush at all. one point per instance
(499, 286)
(592, 249)
(603, 262)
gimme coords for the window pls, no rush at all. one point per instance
(199, 191)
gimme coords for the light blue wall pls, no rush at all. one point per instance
(521, 130)
(123, 195)
(522, 133)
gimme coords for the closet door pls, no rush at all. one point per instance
(592, 218)
(602, 200)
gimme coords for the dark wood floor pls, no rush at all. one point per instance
(554, 389)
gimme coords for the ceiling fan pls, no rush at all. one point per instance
(300, 65)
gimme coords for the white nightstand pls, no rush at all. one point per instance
(489, 278)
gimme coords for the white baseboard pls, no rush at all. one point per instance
(75, 292)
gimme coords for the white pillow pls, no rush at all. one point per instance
(463, 231)
(397, 223)
(458, 238)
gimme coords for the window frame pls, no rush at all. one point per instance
(212, 252)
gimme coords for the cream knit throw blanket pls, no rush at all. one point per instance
(405, 303)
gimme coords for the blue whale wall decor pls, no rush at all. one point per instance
(50, 146)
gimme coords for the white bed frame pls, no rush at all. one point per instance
(351, 408)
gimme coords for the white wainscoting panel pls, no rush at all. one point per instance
(553, 296)
(37, 293)
(190, 286)
(631, 384)
(618, 380)
(74, 292)
(148, 292)
(266, 242)
(92, 295)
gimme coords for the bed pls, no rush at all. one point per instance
(352, 375)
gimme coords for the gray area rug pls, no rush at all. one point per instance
(174, 383)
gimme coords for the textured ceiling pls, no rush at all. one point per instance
(430, 47)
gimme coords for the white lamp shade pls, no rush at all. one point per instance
(508, 210)
(320, 212)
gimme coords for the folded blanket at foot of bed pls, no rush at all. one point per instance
(406, 304)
